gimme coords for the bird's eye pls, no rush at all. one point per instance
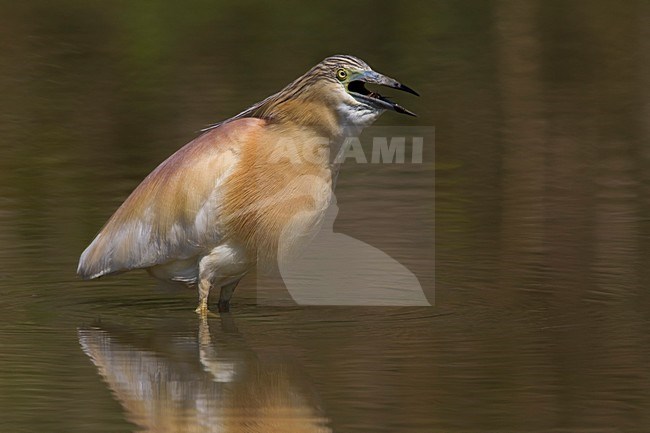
(341, 74)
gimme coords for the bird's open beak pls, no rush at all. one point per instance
(358, 90)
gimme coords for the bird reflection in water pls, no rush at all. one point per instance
(212, 383)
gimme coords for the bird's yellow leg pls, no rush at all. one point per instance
(204, 291)
(202, 309)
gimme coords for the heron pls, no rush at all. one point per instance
(218, 207)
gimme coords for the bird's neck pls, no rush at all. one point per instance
(324, 124)
(320, 120)
(310, 114)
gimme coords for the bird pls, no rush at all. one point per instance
(219, 206)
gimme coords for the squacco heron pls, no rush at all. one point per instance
(221, 204)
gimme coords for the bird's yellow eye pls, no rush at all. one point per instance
(341, 74)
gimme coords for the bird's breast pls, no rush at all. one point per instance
(277, 195)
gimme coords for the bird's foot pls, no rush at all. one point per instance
(202, 309)
(203, 312)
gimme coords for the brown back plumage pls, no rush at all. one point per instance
(174, 212)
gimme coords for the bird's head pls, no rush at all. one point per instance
(336, 85)
(346, 77)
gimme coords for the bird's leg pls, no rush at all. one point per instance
(225, 295)
(204, 291)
